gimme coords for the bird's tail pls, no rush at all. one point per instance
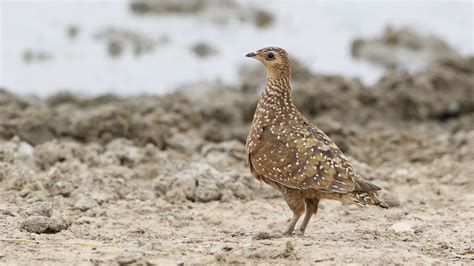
(366, 198)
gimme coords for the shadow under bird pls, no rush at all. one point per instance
(293, 156)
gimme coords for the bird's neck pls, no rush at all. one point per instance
(277, 87)
(276, 97)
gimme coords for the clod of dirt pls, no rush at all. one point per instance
(207, 191)
(323, 95)
(35, 125)
(200, 183)
(218, 248)
(186, 181)
(427, 95)
(184, 143)
(120, 40)
(49, 153)
(20, 178)
(204, 50)
(167, 6)
(263, 19)
(104, 123)
(63, 188)
(85, 203)
(72, 31)
(175, 196)
(15, 150)
(227, 195)
(289, 252)
(129, 258)
(203, 183)
(30, 56)
(161, 185)
(114, 48)
(216, 11)
(225, 154)
(402, 48)
(266, 235)
(262, 235)
(42, 224)
(37, 209)
(122, 151)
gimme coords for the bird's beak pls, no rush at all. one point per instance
(251, 54)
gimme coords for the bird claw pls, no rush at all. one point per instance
(299, 233)
(293, 233)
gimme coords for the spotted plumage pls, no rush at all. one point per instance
(287, 152)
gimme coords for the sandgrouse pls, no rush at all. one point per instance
(290, 154)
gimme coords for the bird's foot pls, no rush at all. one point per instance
(299, 233)
(288, 232)
(293, 233)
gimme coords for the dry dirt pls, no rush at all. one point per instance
(163, 179)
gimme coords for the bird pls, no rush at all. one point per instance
(286, 151)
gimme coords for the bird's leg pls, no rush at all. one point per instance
(296, 203)
(311, 208)
(291, 226)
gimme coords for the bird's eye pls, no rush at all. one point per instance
(270, 56)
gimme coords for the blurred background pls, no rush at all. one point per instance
(127, 47)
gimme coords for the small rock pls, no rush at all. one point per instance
(219, 248)
(85, 203)
(262, 235)
(186, 181)
(101, 196)
(72, 31)
(263, 19)
(162, 184)
(184, 142)
(402, 227)
(208, 192)
(175, 196)
(42, 224)
(129, 258)
(199, 182)
(267, 235)
(142, 195)
(227, 195)
(63, 188)
(37, 209)
(203, 50)
(239, 190)
(402, 48)
(289, 252)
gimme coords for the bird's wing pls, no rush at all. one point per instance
(301, 156)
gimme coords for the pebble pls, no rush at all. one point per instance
(41, 224)
(37, 208)
(85, 203)
(402, 227)
(129, 258)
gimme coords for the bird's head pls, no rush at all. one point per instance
(275, 59)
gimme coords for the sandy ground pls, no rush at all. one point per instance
(163, 179)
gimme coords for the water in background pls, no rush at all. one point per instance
(47, 46)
